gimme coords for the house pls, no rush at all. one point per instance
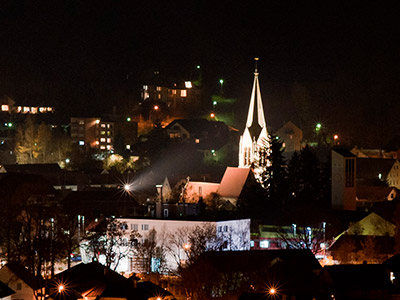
(291, 137)
(18, 278)
(363, 281)
(207, 137)
(370, 239)
(95, 281)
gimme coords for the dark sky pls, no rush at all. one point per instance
(331, 61)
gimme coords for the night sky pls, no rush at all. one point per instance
(335, 62)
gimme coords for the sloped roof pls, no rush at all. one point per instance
(365, 276)
(343, 152)
(373, 193)
(96, 280)
(35, 282)
(233, 181)
(33, 168)
(373, 224)
(5, 291)
(369, 168)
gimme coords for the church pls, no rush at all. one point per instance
(254, 142)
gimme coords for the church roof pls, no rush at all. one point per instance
(233, 181)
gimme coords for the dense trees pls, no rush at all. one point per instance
(37, 143)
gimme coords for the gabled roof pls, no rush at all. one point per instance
(374, 193)
(369, 168)
(35, 282)
(233, 181)
(32, 168)
(96, 280)
(5, 291)
(351, 277)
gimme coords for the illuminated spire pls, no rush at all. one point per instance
(250, 142)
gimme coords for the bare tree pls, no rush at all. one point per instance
(112, 239)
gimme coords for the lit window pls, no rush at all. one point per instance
(159, 96)
(145, 87)
(34, 110)
(251, 243)
(188, 84)
(146, 95)
(103, 147)
(19, 109)
(183, 93)
(103, 140)
(264, 244)
(81, 122)
(109, 147)
(173, 92)
(4, 107)
(26, 109)
(81, 143)
(42, 109)
(128, 147)
(158, 89)
(103, 125)
(103, 132)
(108, 140)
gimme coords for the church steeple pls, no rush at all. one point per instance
(255, 135)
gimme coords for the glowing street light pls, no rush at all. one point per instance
(127, 187)
(212, 115)
(272, 291)
(156, 107)
(61, 288)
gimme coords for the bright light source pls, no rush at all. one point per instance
(127, 187)
(186, 246)
(214, 103)
(212, 115)
(97, 121)
(155, 107)
(61, 288)
(197, 67)
(67, 160)
(221, 81)
(272, 291)
(128, 119)
(335, 137)
(188, 84)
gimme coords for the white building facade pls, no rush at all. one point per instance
(172, 236)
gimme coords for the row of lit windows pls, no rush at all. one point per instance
(28, 109)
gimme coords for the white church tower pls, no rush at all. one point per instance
(255, 138)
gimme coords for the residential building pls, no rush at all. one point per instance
(103, 133)
(19, 279)
(291, 137)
